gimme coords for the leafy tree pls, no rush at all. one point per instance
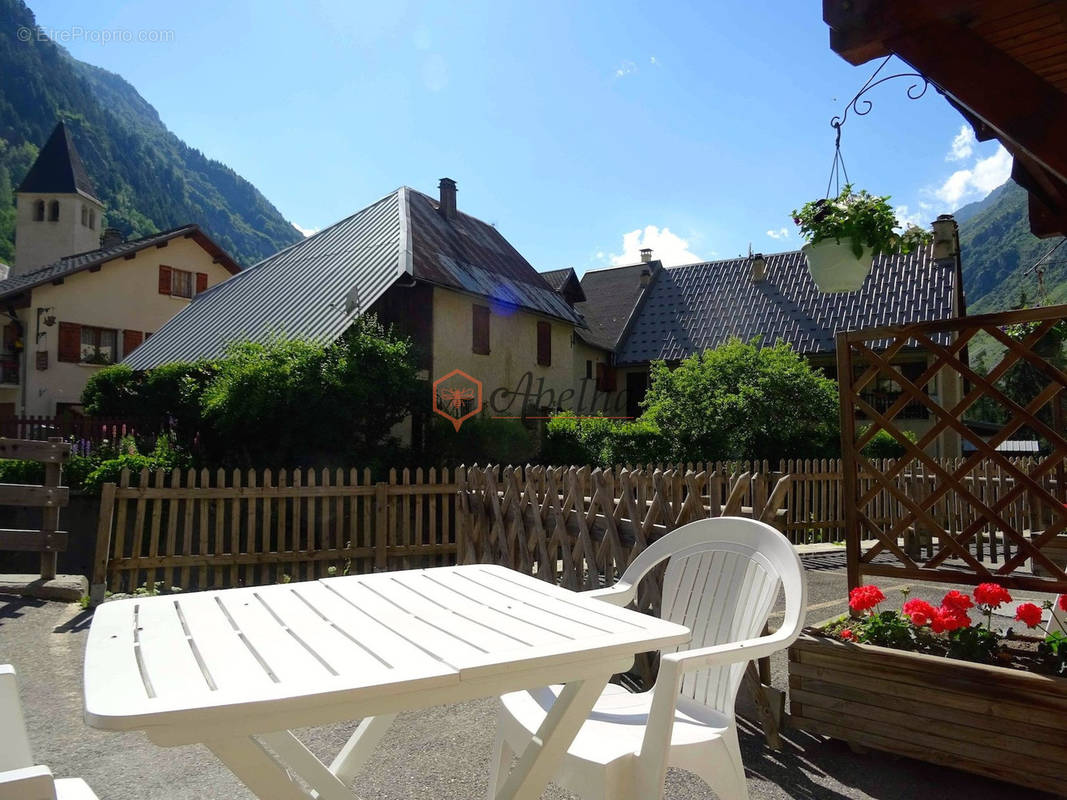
(741, 401)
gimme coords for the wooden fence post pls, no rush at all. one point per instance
(53, 472)
(98, 585)
(381, 524)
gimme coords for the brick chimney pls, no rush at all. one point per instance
(646, 255)
(448, 198)
(111, 237)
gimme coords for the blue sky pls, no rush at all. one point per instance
(582, 130)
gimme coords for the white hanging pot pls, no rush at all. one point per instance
(834, 266)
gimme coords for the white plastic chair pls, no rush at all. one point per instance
(20, 778)
(721, 582)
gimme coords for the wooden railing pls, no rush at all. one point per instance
(49, 497)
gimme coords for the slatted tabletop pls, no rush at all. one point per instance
(225, 654)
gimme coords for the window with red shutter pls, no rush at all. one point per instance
(544, 344)
(164, 279)
(70, 342)
(480, 329)
(605, 378)
(130, 341)
(201, 282)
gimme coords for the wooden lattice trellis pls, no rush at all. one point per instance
(956, 553)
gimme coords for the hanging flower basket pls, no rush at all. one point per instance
(844, 234)
(835, 268)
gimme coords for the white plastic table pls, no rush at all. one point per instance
(236, 669)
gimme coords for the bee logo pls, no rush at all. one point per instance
(457, 397)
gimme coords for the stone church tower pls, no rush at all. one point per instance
(57, 211)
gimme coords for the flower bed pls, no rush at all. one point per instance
(1000, 719)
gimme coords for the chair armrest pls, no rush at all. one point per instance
(619, 595)
(27, 783)
(717, 655)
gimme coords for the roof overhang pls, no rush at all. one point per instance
(1002, 64)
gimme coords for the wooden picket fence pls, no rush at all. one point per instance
(200, 530)
(581, 527)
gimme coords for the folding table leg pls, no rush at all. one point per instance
(292, 752)
(257, 769)
(558, 729)
(350, 760)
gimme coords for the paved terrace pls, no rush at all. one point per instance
(440, 753)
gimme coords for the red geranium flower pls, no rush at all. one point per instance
(1029, 614)
(957, 600)
(991, 595)
(947, 619)
(864, 598)
(919, 611)
(848, 635)
(1062, 602)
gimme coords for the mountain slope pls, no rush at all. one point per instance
(998, 249)
(148, 178)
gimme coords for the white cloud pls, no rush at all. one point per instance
(963, 145)
(906, 217)
(306, 231)
(972, 184)
(781, 233)
(667, 247)
(625, 68)
(652, 60)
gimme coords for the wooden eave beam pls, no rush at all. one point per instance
(860, 29)
(1018, 105)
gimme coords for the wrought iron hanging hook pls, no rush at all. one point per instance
(862, 110)
(914, 93)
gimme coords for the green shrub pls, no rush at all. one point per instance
(480, 440)
(884, 445)
(18, 471)
(164, 456)
(599, 441)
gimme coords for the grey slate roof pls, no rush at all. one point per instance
(698, 306)
(68, 265)
(58, 168)
(314, 289)
(612, 296)
(565, 282)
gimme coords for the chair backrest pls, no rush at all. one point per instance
(722, 579)
(15, 752)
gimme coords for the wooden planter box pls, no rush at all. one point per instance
(993, 721)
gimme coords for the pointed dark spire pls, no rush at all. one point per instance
(58, 168)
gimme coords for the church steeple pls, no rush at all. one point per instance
(58, 168)
(58, 213)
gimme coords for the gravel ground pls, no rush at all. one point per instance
(440, 753)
